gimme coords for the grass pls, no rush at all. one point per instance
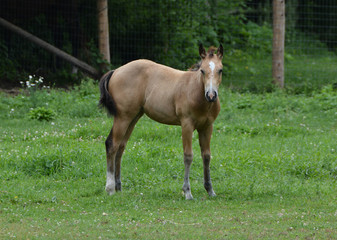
(274, 170)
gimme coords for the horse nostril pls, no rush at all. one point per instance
(215, 95)
(211, 96)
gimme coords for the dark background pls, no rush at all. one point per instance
(166, 31)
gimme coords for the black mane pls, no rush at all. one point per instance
(195, 67)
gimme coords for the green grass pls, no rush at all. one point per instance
(274, 169)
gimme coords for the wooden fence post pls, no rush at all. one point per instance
(103, 29)
(278, 42)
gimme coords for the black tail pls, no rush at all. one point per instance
(106, 100)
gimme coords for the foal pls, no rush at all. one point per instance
(166, 95)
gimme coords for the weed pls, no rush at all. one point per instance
(42, 114)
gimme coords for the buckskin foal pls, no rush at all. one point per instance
(166, 95)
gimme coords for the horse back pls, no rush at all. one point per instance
(141, 83)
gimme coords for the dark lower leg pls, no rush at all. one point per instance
(207, 176)
(118, 186)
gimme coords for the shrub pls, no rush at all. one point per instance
(41, 114)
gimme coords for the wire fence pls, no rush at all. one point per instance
(169, 32)
(314, 43)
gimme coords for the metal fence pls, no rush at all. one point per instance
(168, 32)
(314, 43)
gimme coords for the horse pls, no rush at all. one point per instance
(166, 95)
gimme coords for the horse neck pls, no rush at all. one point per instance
(197, 86)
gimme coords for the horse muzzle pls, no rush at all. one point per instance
(211, 95)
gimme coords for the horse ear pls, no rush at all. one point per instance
(202, 51)
(219, 52)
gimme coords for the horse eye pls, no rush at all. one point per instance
(202, 71)
(220, 71)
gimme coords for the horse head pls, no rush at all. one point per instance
(211, 70)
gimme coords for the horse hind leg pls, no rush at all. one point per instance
(118, 186)
(118, 160)
(110, 174)
(113, 145)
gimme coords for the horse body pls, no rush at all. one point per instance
(166, 95)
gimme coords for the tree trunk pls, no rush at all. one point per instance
(278, 42)
(103, 29)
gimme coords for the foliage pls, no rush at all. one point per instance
(303, 17)
(327, 98)
(7, 66)
(259, 39)
(169, 31)
(319, 15)
(41, 114)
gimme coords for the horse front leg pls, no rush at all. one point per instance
(187, 133)
(188, 158)
(205, 141)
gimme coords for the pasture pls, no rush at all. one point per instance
(274, 169)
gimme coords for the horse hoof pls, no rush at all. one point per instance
(188, 196)
(110, 190)
(212, 194)
(118, 187)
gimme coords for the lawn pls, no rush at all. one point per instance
(274, 169)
